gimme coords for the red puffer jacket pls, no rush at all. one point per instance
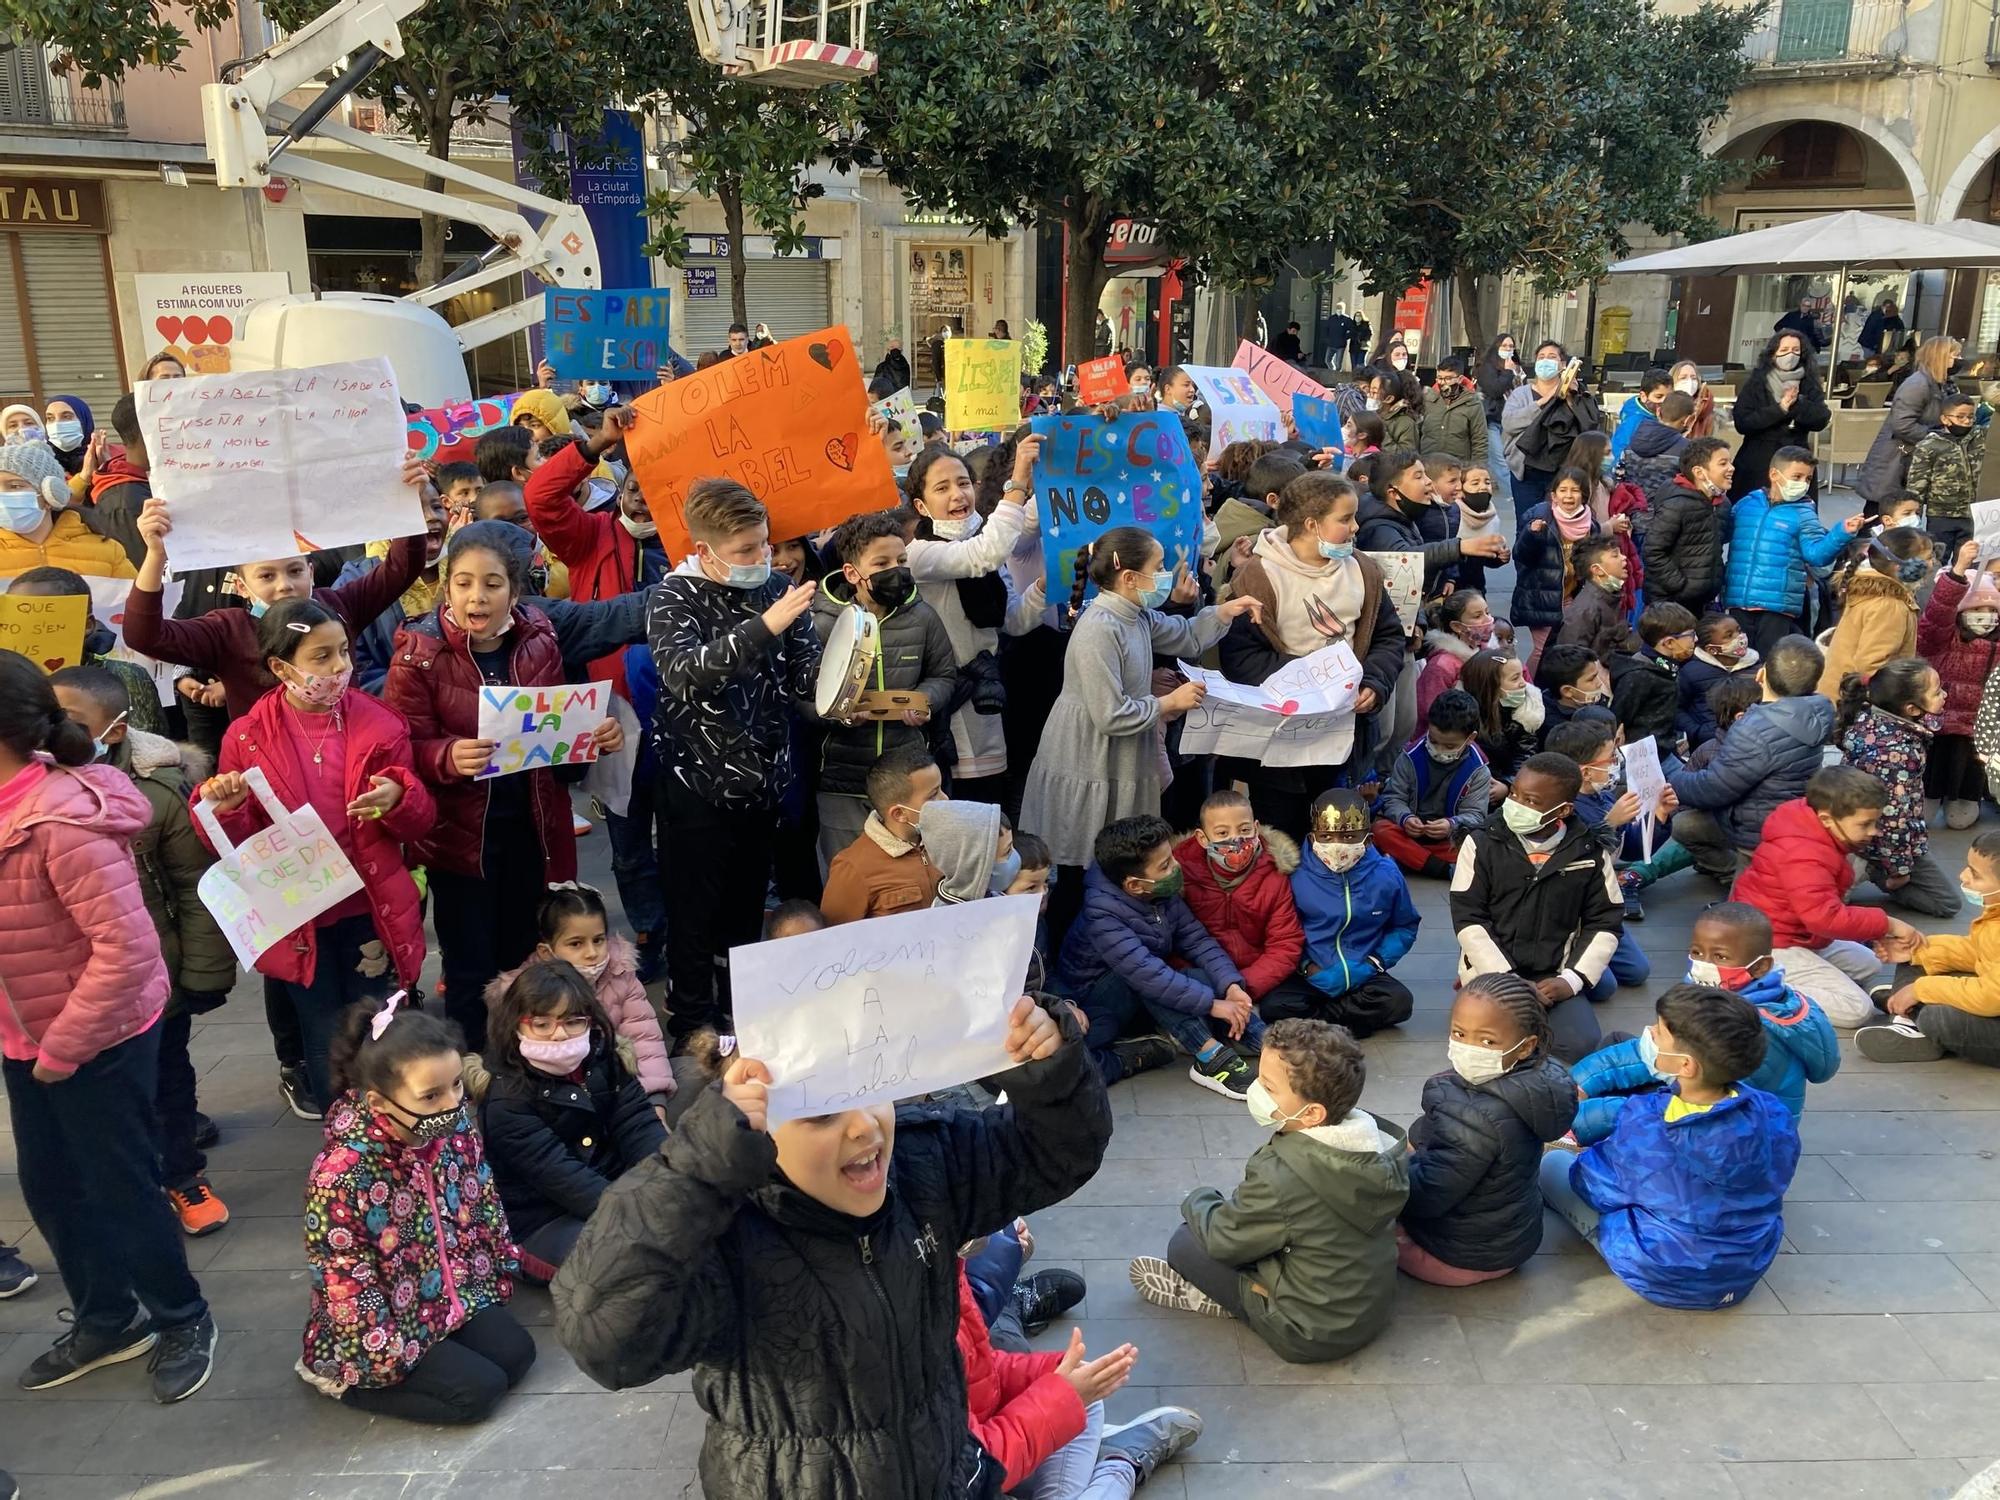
(80, 966)
(1798, 877)
(378, 744)
(1020, 1409)
(434, 683)
(603, 558)
(1256, 922)
(1962, 666)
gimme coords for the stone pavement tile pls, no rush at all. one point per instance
(249, 1301)
(1728, 1350)
(269, 1192)
(1185, 1350)
(1817, 1181)
(607, 1430)
(1270, 1424)
(1252, 1481)
(1413, 1350)
(1922, 1179)
(269, 1242)
(1110, 1295)
(1943, 1419)
(1169, 1091)
(555, 1373)
(291, 1432)
(1068, 1233)
(258, 1484)
(1503, 1424)
(561, 1484)
(1748, 1422)
(1969, 1130)
(1961, 1086)
(1628, 1343)
(1580, 1479)
(1888, 1228)
(1873, 1284)
(1963, 1346)
(290, 1145)
(1854, 1479)
(1847, 1132)
(1563, 1285)
(1982, 1270)
(1232, 1137)
(54, 1437)
(1142, 1182)
(82, 1486)
(1159, 1136)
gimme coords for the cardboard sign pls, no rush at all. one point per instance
(1403, 576)
(276, 881)
(280, 462)
(789, 420)
(1301, 715)
(619, 335)
(1093, 475)
(538, 728)
(1238, 411)
(48, 630)
(1279, 379)
(449, 434)
(198, 317)
(875, 1011)
(1101, 380)
(1318, 421)
(982, 384)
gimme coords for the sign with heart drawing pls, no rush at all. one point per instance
(198, 317)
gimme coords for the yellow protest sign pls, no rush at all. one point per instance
(982, 385)
(48, 630)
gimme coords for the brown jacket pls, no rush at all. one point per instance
(1879, 625)
(867, 880)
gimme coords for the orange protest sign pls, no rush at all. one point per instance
(1101, 380)
(789, 421)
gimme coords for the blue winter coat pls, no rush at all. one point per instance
(1348, 919)
(1691, 1213)
(1538, 569)
(1767, 758)
(1630, 415)
(1799, 1044)
(1699, 673)
(1769, 547)
(1133, 938)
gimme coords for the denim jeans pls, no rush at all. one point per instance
(1075, 1472)
(1564, 1199)
(336, 984)
(1496, 463)
(637, 836)
(992, 1272)
(1629, 965)
(1113, 1006)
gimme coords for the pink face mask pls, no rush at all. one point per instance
(321, 692)
(560, 1057)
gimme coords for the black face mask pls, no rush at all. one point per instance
(892, 587)
(99, 639)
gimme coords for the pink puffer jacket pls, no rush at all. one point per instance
(80, 965)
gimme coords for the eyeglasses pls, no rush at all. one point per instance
(548, 1028)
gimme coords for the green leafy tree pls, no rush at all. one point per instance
(100, 42)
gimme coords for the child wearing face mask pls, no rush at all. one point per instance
(563, 1116)
(1684, 1198)
(1682, 548)
(1722, 650)
(576, 928)
(1543, 570)
(1645, 684)
(1455, 627)
(972, 847)
(1476, 517)
(1945, 471)
(1731, 950)
(1954, 1009)
(1475, 1209)
(1591, 740)
(410, 1254)
(145, 713)
(1571, 678)
(37, 529)
(886, 869)
(1879, 623)
(1884, 727)
(1959, 634)
(1595, 615)
(1236, 884)
(1304, 1251)
(1436, 791)
(1775, 535)
(321, 743)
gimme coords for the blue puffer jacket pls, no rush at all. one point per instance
(1691, 1213)
(1767, 758)
(1134, 939)
(1538, 569)
(1770, 544)
(1365, 913)
(1799, 1044)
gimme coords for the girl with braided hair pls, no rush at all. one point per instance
(1475, 1209)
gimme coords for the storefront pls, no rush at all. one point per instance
(1144, 302)
(58, 314)
(793, 294)
(940, 285)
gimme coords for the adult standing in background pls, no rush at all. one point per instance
(1884, 325)
(1543, 419)
(895, 367)
(1780, 404)
(1913, 415)
(1499, 373)
(1803, 321)
(1687, 380)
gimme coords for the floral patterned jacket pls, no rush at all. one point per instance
(406, 1243)
(1893, 748)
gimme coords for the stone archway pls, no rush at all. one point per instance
(1732, 128)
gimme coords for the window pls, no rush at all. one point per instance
(1813, 153)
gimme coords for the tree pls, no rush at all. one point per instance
(100, 42)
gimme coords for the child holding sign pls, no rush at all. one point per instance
(814, 1292)
(322, 745)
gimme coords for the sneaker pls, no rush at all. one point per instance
(77, 1353)
(1899, 1041)
(1163, 1286)
(16, 1275)
(197, 1207)
(297, 1089)
(579, 823)
(1141, 1054)
(1634, 912)
(9, 1490)
(1225, 1074)
(182, 1360)
(206, 1133)
(1880, 993)
(1045, 1296)
(1152, 1438)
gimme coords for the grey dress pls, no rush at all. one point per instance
(1099, 758)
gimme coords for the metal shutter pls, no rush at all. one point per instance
(14, 382)
(793, 295)
(76, 346)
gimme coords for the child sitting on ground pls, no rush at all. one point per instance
(1684, 1198)
(1731, 950)
(1884, 730)
(1879, 623)
(1117, 963)
(790, 918)
(576, 928)
(1455, 627)
(1570, 677)
(1799, 878)
(967, 842)
(1722, 651)
(1475, 1209)
(1304, 1250)
(1954, 1009)
(1357, 919)
(1645, 685)
(885, 870)
(1595, 616)
(1236, 884)
(1437, 791)
(1602, 803)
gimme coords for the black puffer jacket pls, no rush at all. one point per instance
(1385, 527)
(1478, 1147)
(1683, 547)
(916, 656)
(1540, 567)
(824, 1348)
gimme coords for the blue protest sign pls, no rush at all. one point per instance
(1318, 421)
(619, 334)
(1093, 475)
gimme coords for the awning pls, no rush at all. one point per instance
(1851, 241)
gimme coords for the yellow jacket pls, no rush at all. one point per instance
(69, 544)
(1879, 625)
(1964, 972)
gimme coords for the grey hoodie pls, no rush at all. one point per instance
(961, 839)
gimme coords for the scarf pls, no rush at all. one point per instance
(1781, 381)
(1336, 584)
(1576, 529)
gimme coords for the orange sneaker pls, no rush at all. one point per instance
(197, 1207)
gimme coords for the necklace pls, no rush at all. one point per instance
(332, 728)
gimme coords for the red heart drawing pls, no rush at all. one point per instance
(1289, 706)
(219, 329)
(169, 326)
(54, 664)
(841, 451)
(196, 330)
(834, 350)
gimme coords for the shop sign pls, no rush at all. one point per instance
(31, 203)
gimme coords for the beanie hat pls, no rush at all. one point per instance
(36, 463)
(27, 411)
(1983, 594)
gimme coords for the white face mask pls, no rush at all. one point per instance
(1479, 1064)
(1687, 387)
(949, 529)
(642, 531)
(1338, 856)
(1794, 489)
(1264, 1109)
(1979, 621)
(1901, 521)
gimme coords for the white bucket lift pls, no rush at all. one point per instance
(811, 43)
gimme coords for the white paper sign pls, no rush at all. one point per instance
(1986, 528)
(1403, 577)
(1301, 715)
(107, 603)
(539, 728)
(273, 464)
(871, 1012)
(1237, 410)
(269, 886)
(201, 316)
(1645, 780)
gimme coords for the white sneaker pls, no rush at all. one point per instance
(579, 823)
(1163, 1286)
(1151, 1438)
(1959, 813)
(1899, 1041)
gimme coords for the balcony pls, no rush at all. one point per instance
(34, 98)
(1818, 37)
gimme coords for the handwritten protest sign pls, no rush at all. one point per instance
(789, 420)
(201, 315)
(1093, 475)
(982, 384)
(1237, 410)
(449, 434)
(47, 630)
(1101, 380)
(875, 1011)
(1301, 715)
(537, 728)
(615, 334)
(276, 463)
(899, 407)
(1277, 378)
(1986, 527)
(1318, 422)
(269, 886)
(1403, 576)
(1645, 779)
